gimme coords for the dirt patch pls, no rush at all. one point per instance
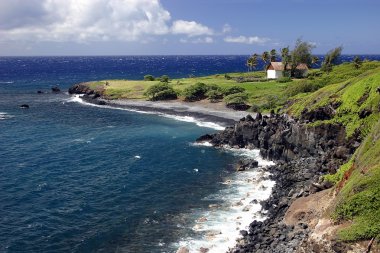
(309, 209)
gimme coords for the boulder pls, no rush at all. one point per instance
(183, 250)
(55, 89)
(24, 106)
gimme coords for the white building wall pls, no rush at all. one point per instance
(274, 74)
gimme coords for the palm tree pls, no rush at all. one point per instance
(252, 62)
(314, 59)
(273, 55)
(265, 56)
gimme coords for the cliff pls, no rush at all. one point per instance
(326, 149)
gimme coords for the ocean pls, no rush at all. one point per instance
(80, 178)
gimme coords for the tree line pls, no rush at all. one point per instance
(301, 54)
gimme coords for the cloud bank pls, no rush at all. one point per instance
(90, 20)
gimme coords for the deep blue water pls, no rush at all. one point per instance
(76, 178)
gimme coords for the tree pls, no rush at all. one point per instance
(331, 59)
(357, 62)
(265, 57)
(273, 55)
(252, 62)
(314, 59)
(301, 54)
(285, 59)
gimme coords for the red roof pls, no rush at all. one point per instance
(280, 67)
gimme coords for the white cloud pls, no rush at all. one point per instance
(190, 28)
(246, 40)
(205, 40)
(227, 28)
(90, 20)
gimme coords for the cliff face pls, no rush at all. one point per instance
(303, 154)
(283, 138)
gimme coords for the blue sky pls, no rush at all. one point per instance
(146, 27)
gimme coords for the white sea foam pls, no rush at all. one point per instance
(189, 119)
(4, 115)
(6, 82)
(218, 227)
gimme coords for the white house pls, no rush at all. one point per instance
(275, 69)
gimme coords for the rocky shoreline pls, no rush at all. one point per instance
(302, 154)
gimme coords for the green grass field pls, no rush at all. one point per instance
(258, 91)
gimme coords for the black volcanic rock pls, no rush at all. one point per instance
(302, 153)
(55, 89)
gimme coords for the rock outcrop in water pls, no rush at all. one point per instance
(88, 93)
(303, 153)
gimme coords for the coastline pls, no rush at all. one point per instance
(204, 111)
(219, 227)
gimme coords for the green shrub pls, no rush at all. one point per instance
(161, 91)
(271, 101)
(302, 86)
(232, 90)
(148, 78)
(236, 98)
(227, 77)
(237, 101)
(164, 79)
(284, 79)
(214, 95)
(196, 92)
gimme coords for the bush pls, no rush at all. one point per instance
(214, 95)
(164, 79)
(227, 77)
(301, 87)
(233, 90)
(271, 102)
(255, 108)
(237, 101)
(148, 78)
(196, 92)
(161, 91)
(284, 79)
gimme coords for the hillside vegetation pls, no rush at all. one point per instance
(350, 97)
(260, 90)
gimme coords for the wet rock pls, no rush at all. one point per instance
(183, 250)
(55, 89)
(243, 232)
(205, 138)
(24, 106)
(246, 164)
(203, 250)
(302, 153)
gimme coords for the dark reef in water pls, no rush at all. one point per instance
(302, 153)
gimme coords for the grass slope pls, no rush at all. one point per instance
(357, 181)
(258, 91)
(353, 94)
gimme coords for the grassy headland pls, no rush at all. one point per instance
(352, 98)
